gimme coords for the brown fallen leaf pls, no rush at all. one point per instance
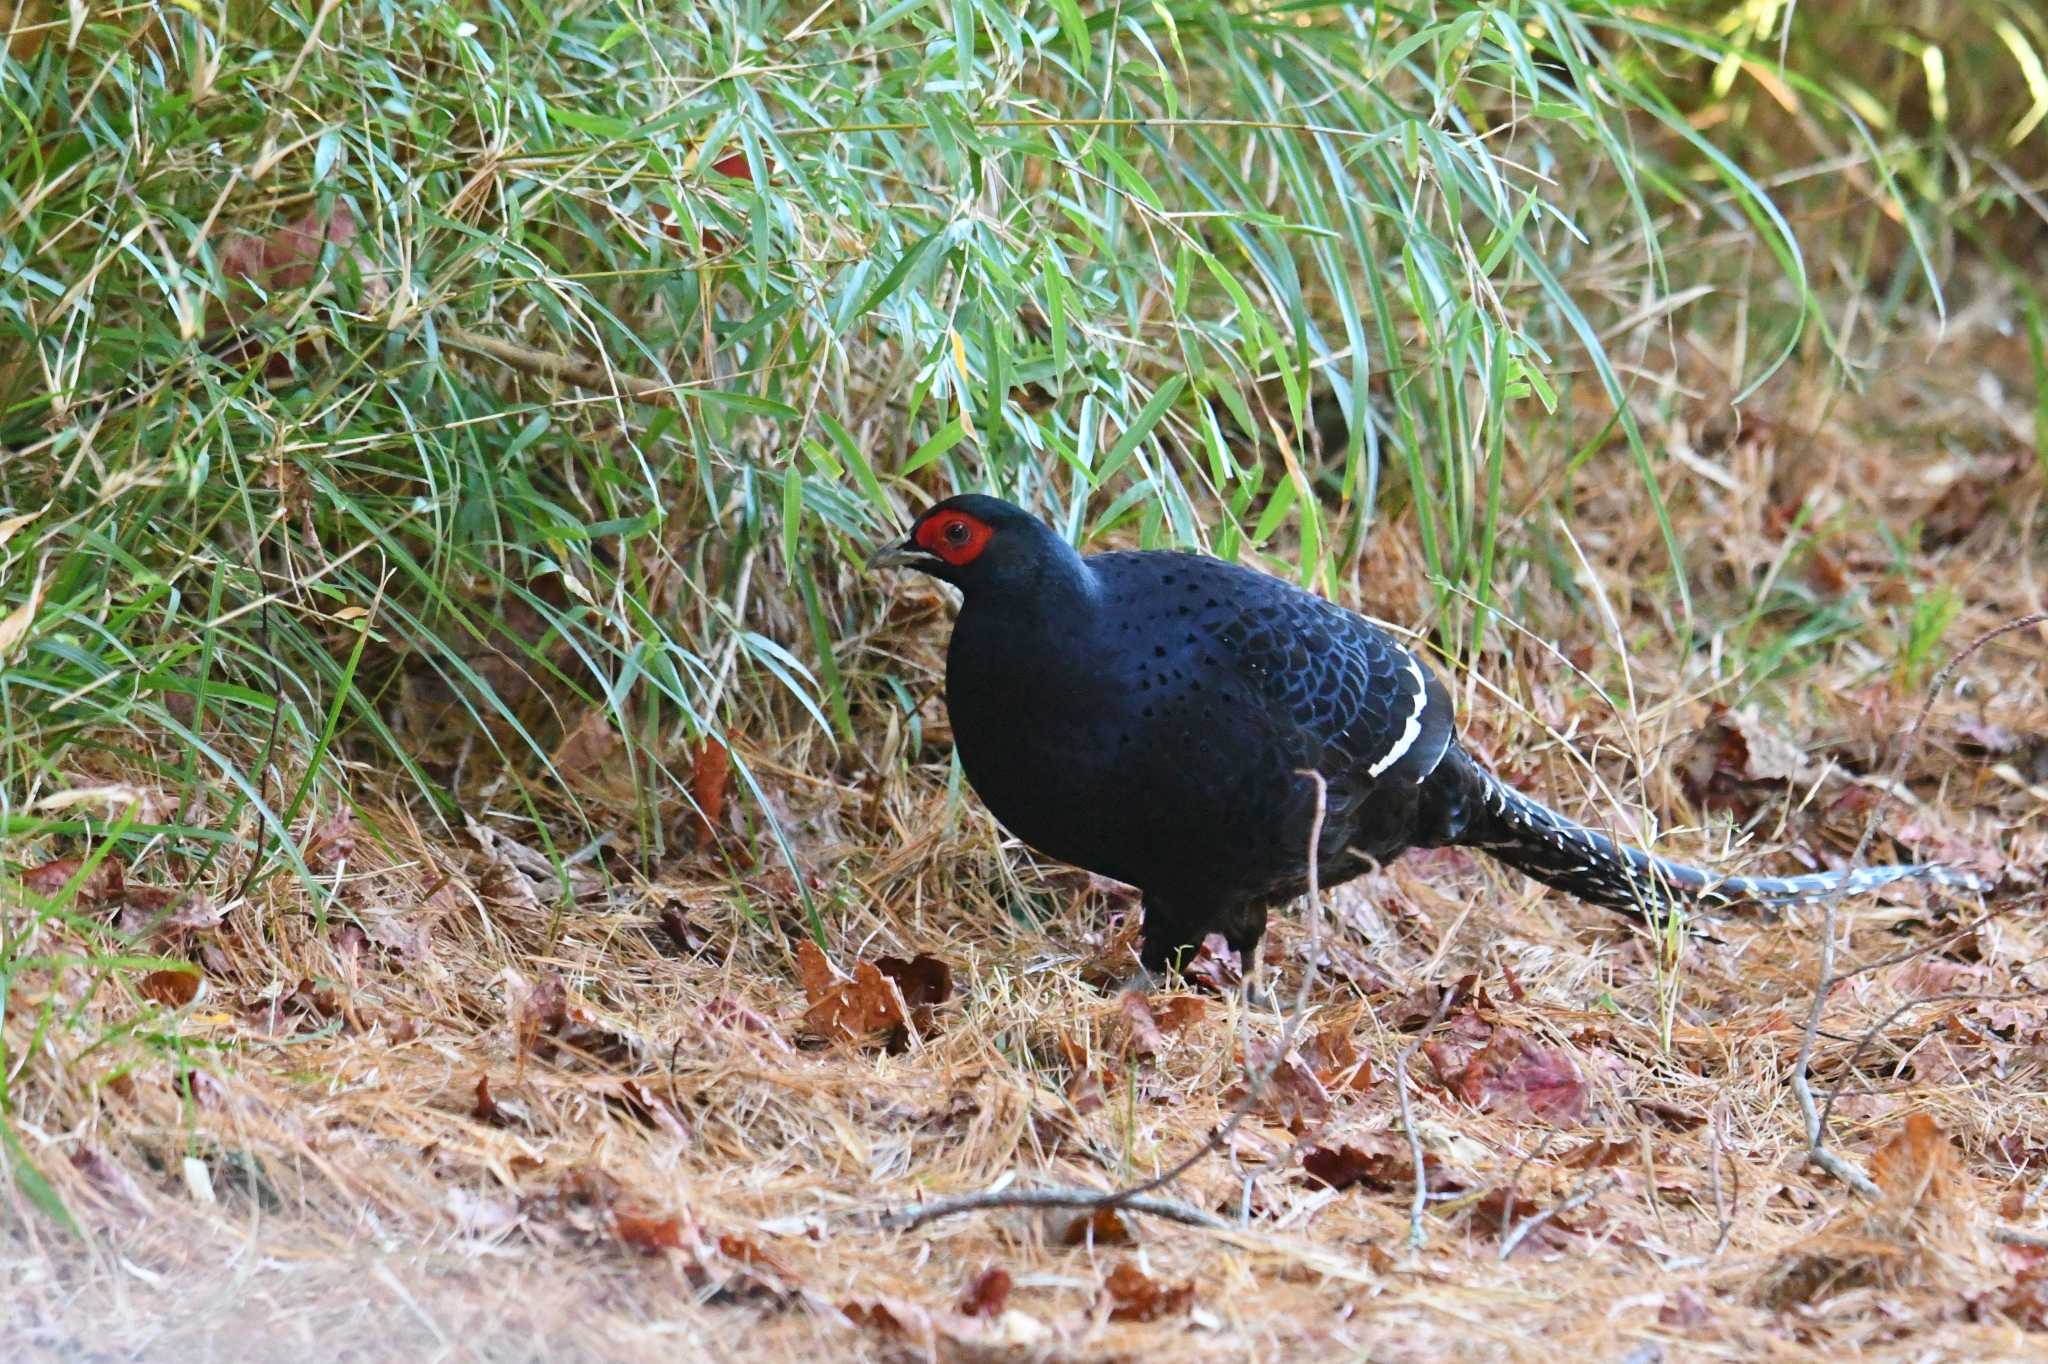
(1380, 1162)
(987, 1293)
(710, 780)
(541, 1011)
(887, 999)
(171, 988)
(1498, 1212)
(1515, 1075)
(1141, 1034)
(1098, 1227)
(103, 885)
(331, 841)
(1134, 1295)
(1215, 965)
(496, 1111)
(649, 1233)
(109, 1179)
(1292, 1096)
(1333, 1056)
(588, 746)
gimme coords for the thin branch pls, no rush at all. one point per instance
(1532, 1222)
(1870, 1033)
(542, 364)
(1825, 978)
(1420, 1199)
(1134, 1196)
(909, 1219)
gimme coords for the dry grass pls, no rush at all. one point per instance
(664, 1168)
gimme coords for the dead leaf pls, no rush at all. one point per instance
(1134, 1295)
(688, 937)
(1517, 1076)
(171, 988)
(331, 841)
(496, 1111)
(588, 746)
(1215, 965)
(1920, 1172)
(1141, 1030)
(1498, 1212)
(887, 999)
(710, 779)
(1738, 763)
(102, 886)
(1099, 1227)
(1380, 1162)
(987, 1293)
(1292, 1095)
(109, 1179)
(1333, 1055)
(543, 1010)
(1685, 1309)
(648, 1233)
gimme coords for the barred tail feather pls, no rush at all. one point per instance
(1568, 856)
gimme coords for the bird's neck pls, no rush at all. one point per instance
(1057, 598)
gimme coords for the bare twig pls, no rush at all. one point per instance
(1825, 978)
(911, 1218)
(548, 365)
(1535, 1220)
(1870, 1033)
(1420, 1199)
(2020, 1236)
(1134, 1196)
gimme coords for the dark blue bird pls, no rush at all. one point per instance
(1152, 716)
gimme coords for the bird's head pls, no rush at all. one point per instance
(977, 543)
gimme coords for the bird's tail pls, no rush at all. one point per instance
(1541, 843)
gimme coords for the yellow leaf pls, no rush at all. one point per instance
(15, 523)
(17, 623)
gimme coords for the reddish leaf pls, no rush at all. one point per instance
(1380, 1162)
(649, 1233)
(710, 779)
(174, 989)
(886, 999)
(1498, 1212)
(1101, 1227)
(1134, 1295)
(925, 981)
(1141, 1030)
(987, 1293)
(734, 165)
(1216, 965)
(1178, 1013)
(542, 1012)
(1292, 1095)
(288, 257)
(742, 1251)
(1919, 1169)
(1514, 1075)
(495, 1111)
(102, 886)
(331, 841)
(689, 937)
(1334, 1058)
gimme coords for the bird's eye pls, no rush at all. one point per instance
(956, 532)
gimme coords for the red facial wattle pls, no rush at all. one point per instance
(955, 537)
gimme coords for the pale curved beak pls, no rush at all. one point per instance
(901, 554)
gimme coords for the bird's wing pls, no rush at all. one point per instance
(1370, 708)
